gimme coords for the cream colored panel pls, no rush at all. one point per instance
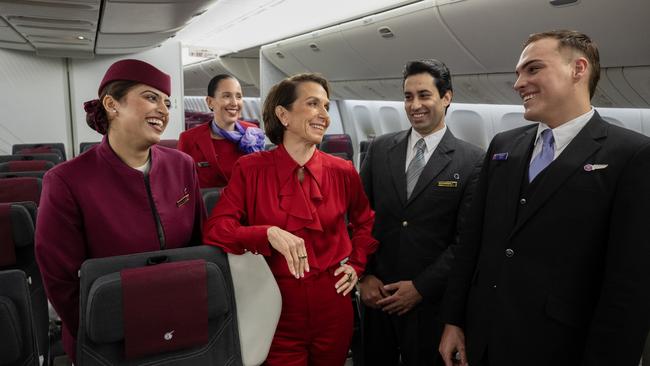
(280, 57)
(33, 100)
(494, 30)
(417, 33)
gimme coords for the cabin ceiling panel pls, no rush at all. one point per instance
(485, 28)
(246, 70)
(388, 40)
(7, 34)
(326, 52)
(63, 50)
(55, 25)
(112, 40)
(17, 46)
(282, 59)
(67, 25)
(141, 17)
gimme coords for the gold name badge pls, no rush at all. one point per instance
(448, 183)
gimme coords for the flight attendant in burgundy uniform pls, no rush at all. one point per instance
(215, 146)
(125, 195)
(290, 205)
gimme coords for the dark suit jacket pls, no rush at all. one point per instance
(416, 235)
(560, 277)
(197, 143)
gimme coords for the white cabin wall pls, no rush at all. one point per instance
(33, 100)
(85, 76)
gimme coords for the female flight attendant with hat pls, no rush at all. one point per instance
(125, 195)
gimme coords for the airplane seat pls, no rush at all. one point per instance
(25, 166)
(17, 252)
(18, 346)
(511, 120)
(469, 126)
(195, 118)
(211, 197)
(363, 148)
(117, 320)
(337, 143)
(41, 148)
(53, 157)
(250, 120)
(170, 143)
(37, 174)
(20, 189)
(85, 146)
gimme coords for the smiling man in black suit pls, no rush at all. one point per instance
(553, 269)
(418, 181)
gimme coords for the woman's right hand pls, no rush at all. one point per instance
(292, 248)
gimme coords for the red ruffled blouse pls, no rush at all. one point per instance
(264, 191)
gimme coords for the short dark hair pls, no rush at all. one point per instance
(98, 118)
(213, 85)
(437, 69)
(284, 94)
(576, 41)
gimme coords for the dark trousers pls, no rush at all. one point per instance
(412, 338)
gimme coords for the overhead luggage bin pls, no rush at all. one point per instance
(388, 40)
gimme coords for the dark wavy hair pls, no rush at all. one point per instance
(284, 94)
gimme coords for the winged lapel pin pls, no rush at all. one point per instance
(592, 167)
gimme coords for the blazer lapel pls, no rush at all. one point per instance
(396, 163)
(437, 162)
(204, 143)
(574, 156)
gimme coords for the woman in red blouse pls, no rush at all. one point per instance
(216, 145)
(290, 205)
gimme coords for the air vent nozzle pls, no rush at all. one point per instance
(563, 2)
(386, 32)
(314, 47)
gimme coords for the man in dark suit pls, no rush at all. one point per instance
(553, 267)
(417, 181)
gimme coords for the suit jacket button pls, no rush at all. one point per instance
(405, 223)
(522, 201)
(510, 253)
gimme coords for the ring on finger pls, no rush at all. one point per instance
(302, 257)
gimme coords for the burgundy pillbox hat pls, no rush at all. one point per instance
(136, 70)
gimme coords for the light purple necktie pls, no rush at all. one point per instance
(543, 159)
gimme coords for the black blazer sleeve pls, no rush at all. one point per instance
(621, 319)
(431, 282)
(466, 251)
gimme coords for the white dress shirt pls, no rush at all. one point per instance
(563, 134)
(431, 142)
